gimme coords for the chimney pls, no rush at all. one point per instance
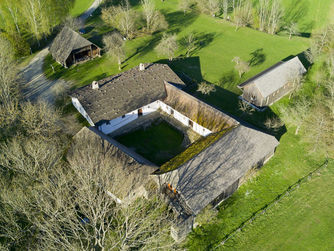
(95, 85)
(141, 67)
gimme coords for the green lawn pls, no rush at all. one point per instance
(301, 221)
(212, 60)
(80, 6)
(309, 14)
(158, 143)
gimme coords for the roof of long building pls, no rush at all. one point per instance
(202, 179)
(126, 92)
(275, 77)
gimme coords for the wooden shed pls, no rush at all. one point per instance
(272, 84)
(70, 48)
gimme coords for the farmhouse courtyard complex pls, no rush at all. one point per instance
(195, 125)
(217, 155)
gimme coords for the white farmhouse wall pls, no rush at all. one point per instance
(184, 119)
(121, 121)
(80, 109)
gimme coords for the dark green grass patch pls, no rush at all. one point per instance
(157, 143)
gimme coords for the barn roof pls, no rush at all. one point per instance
(65, 42)
(205, 177)
(276, 76)
(126, 92)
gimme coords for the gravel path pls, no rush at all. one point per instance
(35, 85)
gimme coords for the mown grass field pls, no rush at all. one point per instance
(302, 221)
(80, 6)
(212, 61)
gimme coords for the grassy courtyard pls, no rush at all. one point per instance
(158, 143)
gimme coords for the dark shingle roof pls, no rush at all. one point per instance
(205, 177)
(126, 92)
(276, 76)
(65, 42)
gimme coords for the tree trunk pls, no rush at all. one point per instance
(297, 130)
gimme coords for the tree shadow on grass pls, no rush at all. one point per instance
(258, 57)
(187, 68)
(178, 20)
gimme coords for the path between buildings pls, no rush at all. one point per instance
(35, 85)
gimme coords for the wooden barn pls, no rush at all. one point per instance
(69, 48)
(272, 84)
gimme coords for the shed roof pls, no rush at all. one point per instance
(276, 76)
(65, 42)
(126, 92)
(205, 177)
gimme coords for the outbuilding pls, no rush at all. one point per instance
(272, 84)
(69, 48)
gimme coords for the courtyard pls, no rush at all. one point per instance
(157, 142)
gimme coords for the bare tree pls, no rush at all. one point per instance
(189, 42)
(243, 15)
(114, 46)
(211, 7)
(185, 5)
(121, 17)
(40, 120)
(241, 66)
(292, 30)
(273, 123)
(275, 17)
(73, 23)
(245, 108)
(167, 46)
(206, 88)
(296, 114)
(155, 21)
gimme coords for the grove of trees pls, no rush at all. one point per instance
(25, 22)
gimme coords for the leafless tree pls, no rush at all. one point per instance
(243, 15)
(211, 7)
(121, 17)
(155, 21)
(273, 123)
(275, 17)
(185, 5)
(241, 66)
(206, 88)
(40, 120)
(292, 30)
(114, 46)
(167, 46)
(296, 114)
(189, 42)
(245, 108)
